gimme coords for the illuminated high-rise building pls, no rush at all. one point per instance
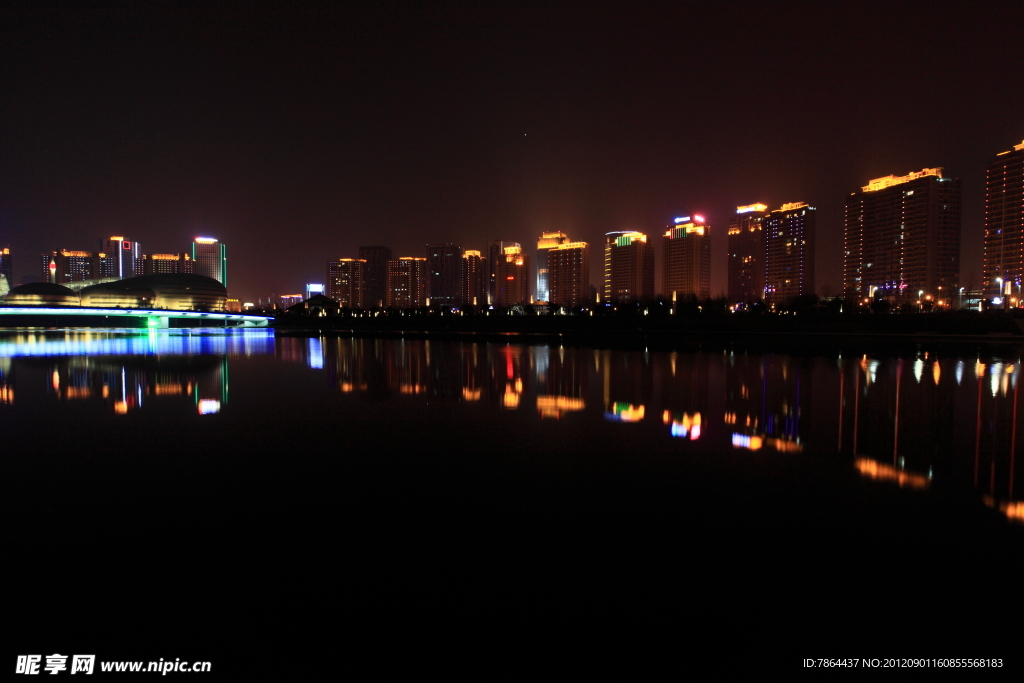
(6, 270)
(211, 259)
(474, 278)
(156, 264)
(902, 237)
(686, 269)
(746, 254)
(789, 252)
(495, 257)
(444, 274)
(547, 241)
(629, 267)
(569, 274)
(406, 282)
(512, 275)
(64, 266)
(346, 282)
(120, 258)
(375, 275)
(1004, 223)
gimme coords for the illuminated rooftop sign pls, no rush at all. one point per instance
(793, 205)
(681, 219)
(751, 207)
(888, 181)
(205, 240)
(682, 230)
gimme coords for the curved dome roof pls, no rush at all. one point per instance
(36, 293)
(174, 291)
(42, 288)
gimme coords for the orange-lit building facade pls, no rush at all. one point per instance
(569, 274)
(64, 266)
(346, 282)
(747, 254)
(474, 278)
(512, 277)
(629, 267)
(687, 259)
(902, 238)
(1004, 224)
(165, 264)
(495, 256)
(547, 241)
(789, 252)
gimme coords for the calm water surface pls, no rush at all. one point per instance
(232, 497)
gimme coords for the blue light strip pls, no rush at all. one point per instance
(134, 312)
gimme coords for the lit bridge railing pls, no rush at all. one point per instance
(155, 317)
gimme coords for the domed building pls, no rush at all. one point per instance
(41, 294)
(170, 291)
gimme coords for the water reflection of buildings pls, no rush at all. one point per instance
(128, 384)
(684, 395)
(125, 370)
(562, 380)
(766, 398)
(627, 381)
(6, 383)
(908, 421)
(902, 421)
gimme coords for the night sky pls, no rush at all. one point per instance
(295, 133)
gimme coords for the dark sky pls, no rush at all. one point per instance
(296, 132)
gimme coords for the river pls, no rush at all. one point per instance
(306, 504)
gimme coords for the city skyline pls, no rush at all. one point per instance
(287, 134)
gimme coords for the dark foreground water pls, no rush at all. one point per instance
(312, 507)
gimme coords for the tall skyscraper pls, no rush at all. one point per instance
(120, 258)
(346, 282)
(789, 252)
(902, 237)
(375, 276)
(629, 267)
(211, 259)
(474, 278)
(444, 274)
(569, 274)
(495, 257)
(6, 270)
(512, 284)
(547, 240)
(746, 254)
(687, 258)
(406, 282)
(1004, 223)
(64, 266)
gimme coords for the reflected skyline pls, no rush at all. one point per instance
(910, 421)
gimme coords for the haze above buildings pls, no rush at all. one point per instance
(297, 137)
